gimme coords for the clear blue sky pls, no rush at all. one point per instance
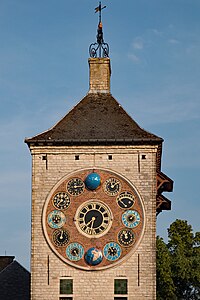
(154, 51)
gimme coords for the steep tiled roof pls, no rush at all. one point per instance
(14, 282)
(96, 119)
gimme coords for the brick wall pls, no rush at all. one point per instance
(138, 164)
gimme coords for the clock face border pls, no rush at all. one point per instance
(96, 195)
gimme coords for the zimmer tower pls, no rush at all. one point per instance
(96, 189)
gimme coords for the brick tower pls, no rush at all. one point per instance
(96, 188)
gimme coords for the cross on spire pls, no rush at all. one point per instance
(99, 49)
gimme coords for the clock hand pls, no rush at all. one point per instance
(123, 203)
(61, 237)
(92, 220)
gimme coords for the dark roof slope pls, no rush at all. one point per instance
(96, 119)
(5, 261)
(14, 282)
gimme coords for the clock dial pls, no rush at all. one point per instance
(126, 237)
(112, 186)
(75, 251)
(131, 218)
(61, 200)
(75, 186)
(112, 251)
(125, 200)
(56, 219)
(93, 218)
(60, 237)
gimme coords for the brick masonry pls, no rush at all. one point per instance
(47, 268)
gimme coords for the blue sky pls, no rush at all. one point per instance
(154, 51)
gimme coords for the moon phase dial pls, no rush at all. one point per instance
(61, 200)
(75, 186)
(112, 186)
(125, 200)
(60, 237)
(131, 218)
(126, 237)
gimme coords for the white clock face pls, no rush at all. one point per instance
(93, 219)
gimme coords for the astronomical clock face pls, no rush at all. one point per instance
(93, 219)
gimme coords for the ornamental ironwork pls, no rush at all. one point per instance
(99, 48)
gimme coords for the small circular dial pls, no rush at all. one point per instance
(125, 200)
(60, 237)
(75, 186)
(112, 251)
(126, 237)
(74, 251)
(93, 219)
(61, 200)
(56, 219)
(112, 186)
(131, 218)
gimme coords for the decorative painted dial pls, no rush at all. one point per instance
(61, 200)
(131, 218)
(56, 219)
(75, 186)
(126, 237)
(125, 200)
(60, 237)
(112, 251)
(93, 218)
(112, 186)
(75, 251)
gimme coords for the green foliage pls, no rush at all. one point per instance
(182, 258)
(165, 285)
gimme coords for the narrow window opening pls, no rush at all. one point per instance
(66, 289)
(143, 156)
(110, 157)
(121, 289)
(77, 157)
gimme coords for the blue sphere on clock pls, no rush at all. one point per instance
(93, 181)
(93, 256)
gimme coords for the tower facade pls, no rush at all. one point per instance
(96, 188)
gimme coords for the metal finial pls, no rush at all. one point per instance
(99, 47)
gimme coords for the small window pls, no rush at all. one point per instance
(121, 298)
(77, 157)
(110, 157)
(66, 288)
(143, 156)
(121, 288)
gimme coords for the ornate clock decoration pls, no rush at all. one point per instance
(61, 200)
(92, 219)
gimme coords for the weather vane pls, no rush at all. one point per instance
(99, 47)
